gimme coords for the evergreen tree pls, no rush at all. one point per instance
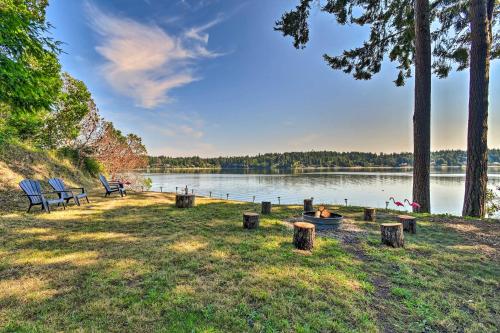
(481, 25)
(401, 29)
(398, 28)
(469, 35)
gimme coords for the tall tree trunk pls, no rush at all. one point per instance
(422, 112)
(477, 138)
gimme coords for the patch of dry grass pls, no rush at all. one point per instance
(19, 161)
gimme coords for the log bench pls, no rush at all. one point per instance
(250, 220)
(303, 235)
(409, 223)
(308, 205)
(392, 234)
(184, 200)
(370, 214)
(266, 207)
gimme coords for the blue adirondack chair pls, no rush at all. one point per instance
(33, 191)
(112, 187)
(67, 193)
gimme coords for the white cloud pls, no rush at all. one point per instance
(195, 5)
(144, 61)
(190, 131)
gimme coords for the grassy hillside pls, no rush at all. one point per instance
(137, 264)
(19, 161)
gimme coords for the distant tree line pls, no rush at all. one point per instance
(324, 159)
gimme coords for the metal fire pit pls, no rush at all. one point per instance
(335, 220)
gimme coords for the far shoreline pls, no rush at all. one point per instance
(306, 168)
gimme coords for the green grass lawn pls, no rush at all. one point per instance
(138, 264)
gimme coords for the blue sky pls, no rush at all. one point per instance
(211, 77)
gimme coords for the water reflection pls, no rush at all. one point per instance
(361, 187)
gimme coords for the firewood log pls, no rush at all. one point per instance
(326, 213)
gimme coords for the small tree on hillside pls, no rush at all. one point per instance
(91, 131)
(119, 153)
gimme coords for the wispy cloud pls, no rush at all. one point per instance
(181, 131)
(143, 60)
(195, 5)
(199, 33)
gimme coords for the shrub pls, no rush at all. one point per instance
(4, 136)
(68, 153)
(148, 183)
(92, 166)
(492, 202)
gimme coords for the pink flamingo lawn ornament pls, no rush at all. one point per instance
(397, 203)
(414, 205)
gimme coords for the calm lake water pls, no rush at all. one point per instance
(367, 187)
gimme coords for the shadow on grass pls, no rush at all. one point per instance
(139, 264)
(142, 265)
(442, 280)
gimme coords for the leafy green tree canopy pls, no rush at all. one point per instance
(74, 102)
(29, 68)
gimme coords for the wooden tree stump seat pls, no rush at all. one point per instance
(392, 234)
(409, 223)
(303, 235)
(308, 205)
(266, 207)
(184, 200)
(370, 214)
(250, 220)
